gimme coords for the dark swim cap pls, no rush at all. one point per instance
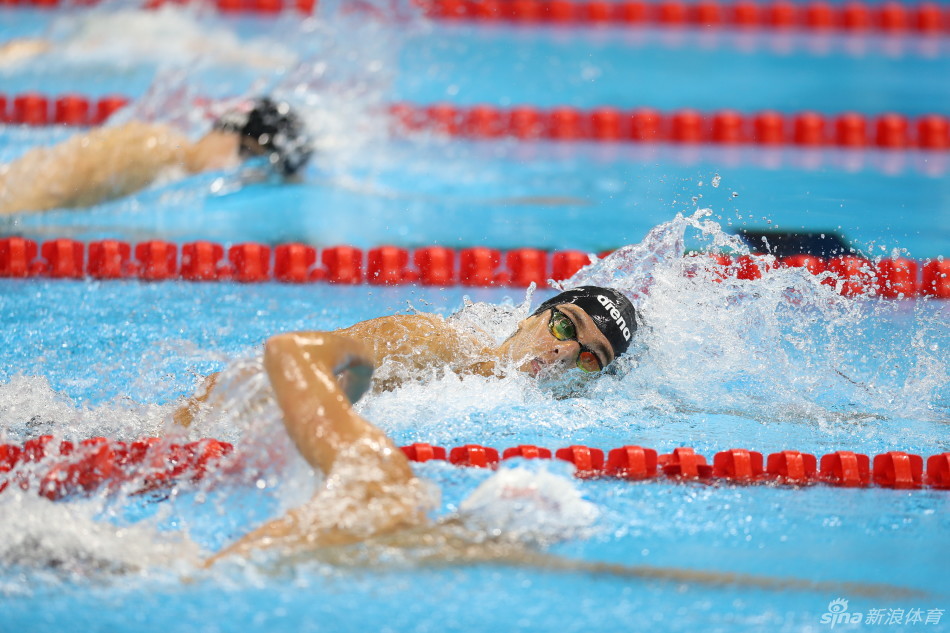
(275, 127)
(610, 310)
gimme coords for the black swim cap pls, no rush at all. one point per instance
(275, 127)
(610, 310)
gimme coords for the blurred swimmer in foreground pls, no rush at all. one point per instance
(113, 161)
(317, 376)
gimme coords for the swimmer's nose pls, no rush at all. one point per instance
(560, 353)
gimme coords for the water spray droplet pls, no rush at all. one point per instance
(716, 179)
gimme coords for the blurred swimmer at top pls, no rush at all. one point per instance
(169, 35)
(114, 161)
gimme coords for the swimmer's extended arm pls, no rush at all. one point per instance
(106, 163)
(303, 369)
(319, 418)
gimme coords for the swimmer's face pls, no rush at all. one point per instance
(556, 341)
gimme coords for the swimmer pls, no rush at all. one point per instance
(317, 376)
(585, 328)
(113, 161)
(372, 497)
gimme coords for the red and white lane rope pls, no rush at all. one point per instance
(848, 130)
(819, 16)
(894, 469)
(260, 7)
(33, 108)
(925, 18)
(441, 266)
(60, 469)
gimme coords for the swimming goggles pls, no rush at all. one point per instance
(563, 329)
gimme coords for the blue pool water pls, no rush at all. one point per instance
(744, 364)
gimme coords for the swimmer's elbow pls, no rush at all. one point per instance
(279, 344)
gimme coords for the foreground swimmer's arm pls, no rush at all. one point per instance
(371, 471)
(417, 341)
(317, 409)
(106, 163)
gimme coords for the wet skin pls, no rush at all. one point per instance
(538, 352)
(423, 341)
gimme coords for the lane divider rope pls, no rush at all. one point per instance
(853, 17)
(894, 469)
(36, 109)
(478, 266)
(890, 17)
(61, 469)
(261, 7)
(849, 130)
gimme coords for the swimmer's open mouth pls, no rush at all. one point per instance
(533, 367)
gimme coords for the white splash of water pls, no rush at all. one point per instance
(339, 82)
(29, 407)
(531, 500)
(64, 540)
(171, 35)
(784, 346)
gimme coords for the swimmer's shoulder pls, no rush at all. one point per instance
(402, 326)
(405, 334)
(151, 135)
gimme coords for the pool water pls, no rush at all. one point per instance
(779, 363)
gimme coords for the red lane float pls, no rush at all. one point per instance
(854, 17)
(588, 462)
(632, 462)
(200, 261)
(846, 469)
(791, 467)
(479, 266)
(474, 455)
(684, 463)
(422, 452)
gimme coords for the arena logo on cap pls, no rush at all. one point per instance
(615, 314)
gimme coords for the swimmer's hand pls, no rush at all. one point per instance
(18, 50)
(354, 376)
